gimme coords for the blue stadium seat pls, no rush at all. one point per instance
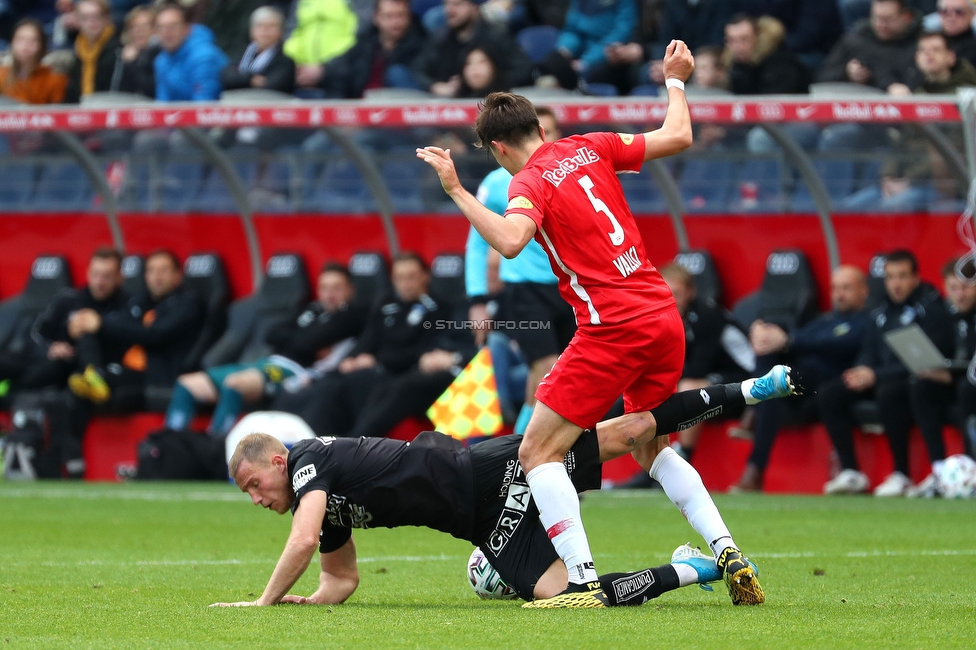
(62, 186)
(340, 189)
(214, 194)
(767, 175)
(16, 184)
(643, 195)
(403, 181)
(180, 185)
(601, 90)
(644, 90)
(538, 41)
(706, 184)
(837, 176)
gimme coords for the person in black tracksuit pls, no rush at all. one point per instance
(932, 400)
(819, 352)
(62, 356)
(401, 364)
(382, 51)
(154, 331)
(879, 373)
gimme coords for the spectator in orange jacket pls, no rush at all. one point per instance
(26, 79)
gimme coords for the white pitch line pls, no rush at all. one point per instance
(451, 558)
(126, 495)
(230, 562)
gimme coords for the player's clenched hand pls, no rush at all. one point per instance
(440, 160)
(678, 61)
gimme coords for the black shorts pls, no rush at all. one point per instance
(507, 526)
(539, 320)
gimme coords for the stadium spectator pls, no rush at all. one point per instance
(324, 29)
(877, 52)
(696, 22)
(60, 352)
(716, 350)
(956, 17)
(879, 373)
(853, 11)
(154, 331)
(122, 8)
(231, 22)
(26, 79)
(382, 55)
(529, 292)
(138, 52)
(710, 69)
(188, 68)
(758, 61)
(97, 66)
(317, 337)
(935, 392)
(401, 364)
(262, 64)
(591, 27)
(938, 69)
(438, 67)
(820, 351)
(626, 61)
(482, 72)
(812, 26)
(52, 357)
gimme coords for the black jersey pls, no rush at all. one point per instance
(379, 482)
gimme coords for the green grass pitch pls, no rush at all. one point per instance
(135, 566)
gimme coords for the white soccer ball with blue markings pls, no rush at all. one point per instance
(485, 580)
(957, 478)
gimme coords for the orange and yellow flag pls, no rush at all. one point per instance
(470, 407)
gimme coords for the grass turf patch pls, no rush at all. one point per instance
(134, 566)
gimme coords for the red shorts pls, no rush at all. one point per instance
(641, 359)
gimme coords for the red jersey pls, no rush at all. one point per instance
(570, 190)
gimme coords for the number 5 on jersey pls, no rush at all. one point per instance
(617, 236)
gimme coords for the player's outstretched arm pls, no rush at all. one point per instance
(301, 546)
(508, 235)
(674, 136)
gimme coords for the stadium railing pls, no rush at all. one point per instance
(259, 154)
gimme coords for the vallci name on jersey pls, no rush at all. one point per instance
(566, 166)
(628, 262)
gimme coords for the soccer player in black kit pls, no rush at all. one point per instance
(478, 494)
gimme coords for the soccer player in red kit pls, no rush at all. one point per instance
(630, 338)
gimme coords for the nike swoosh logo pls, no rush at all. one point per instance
(803, 112)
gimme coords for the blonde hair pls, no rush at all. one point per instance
(256, 449)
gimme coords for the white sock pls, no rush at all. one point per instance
(747, 392)
(559, 511)
(683, 485)
(686, 574)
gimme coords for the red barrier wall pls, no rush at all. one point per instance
(739, 243)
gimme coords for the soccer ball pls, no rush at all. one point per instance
(485, 580)
(957, 478)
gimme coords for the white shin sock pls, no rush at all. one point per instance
(683, 485)
(559, 510)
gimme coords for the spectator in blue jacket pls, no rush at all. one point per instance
(591, 26)
(189, 66)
